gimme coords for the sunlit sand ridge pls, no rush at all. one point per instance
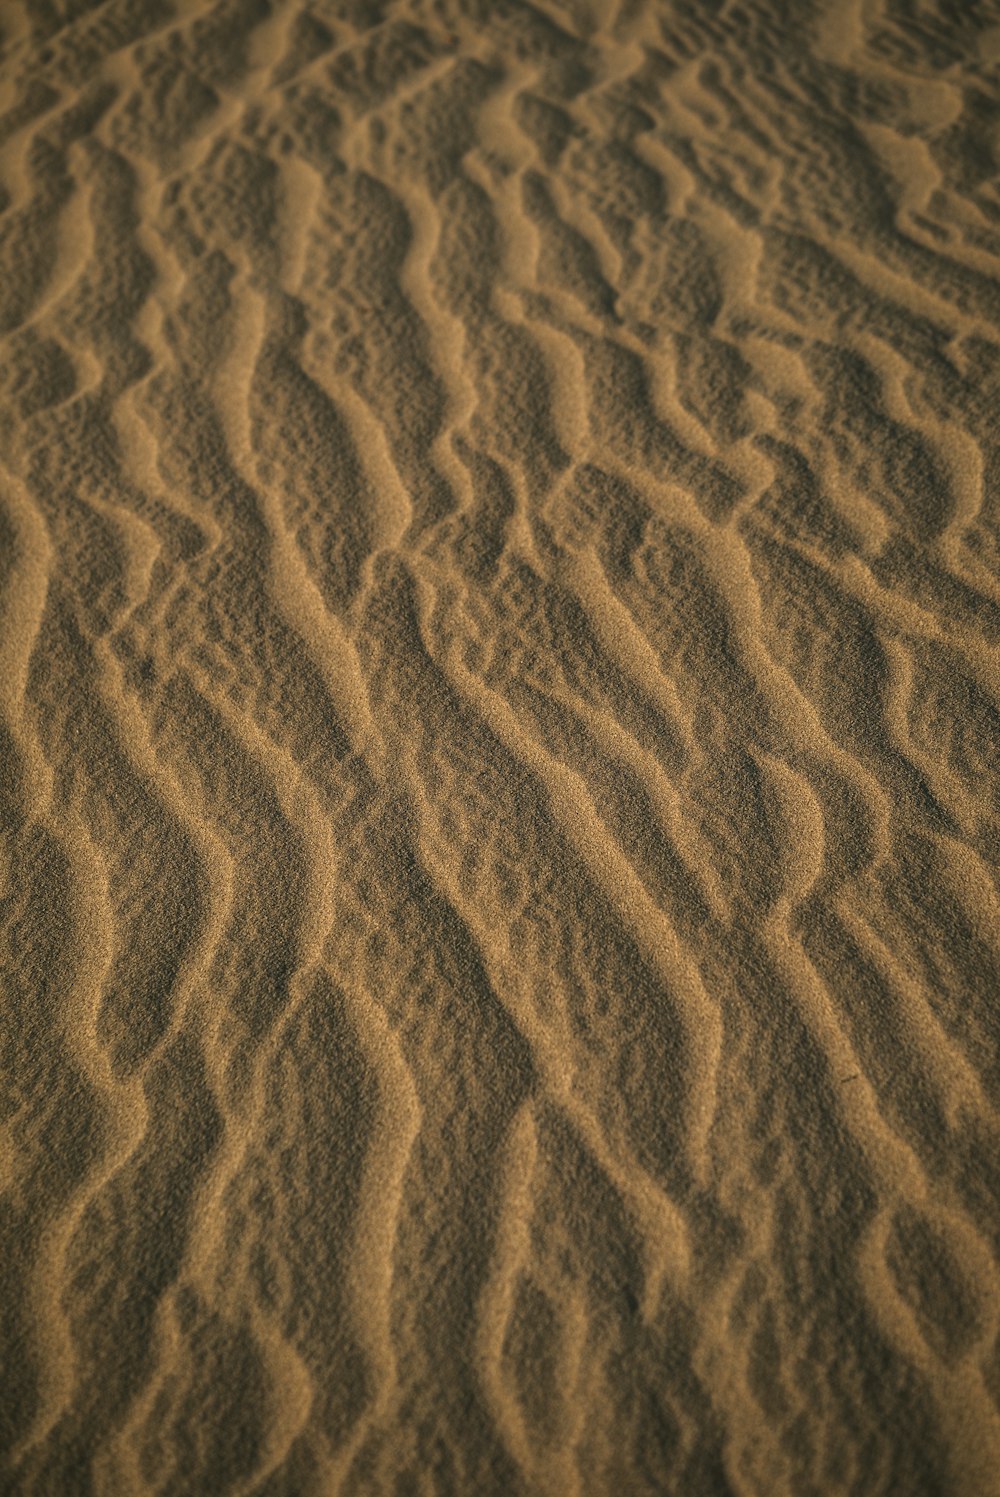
(500, 763)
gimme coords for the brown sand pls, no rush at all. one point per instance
(500, 606)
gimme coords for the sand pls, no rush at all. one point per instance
(500, 763)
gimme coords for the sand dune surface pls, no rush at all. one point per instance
(499, 747)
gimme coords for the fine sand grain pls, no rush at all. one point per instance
(500, 748)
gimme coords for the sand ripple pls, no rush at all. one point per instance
(499, 720)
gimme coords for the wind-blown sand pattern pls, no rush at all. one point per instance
(500, 606)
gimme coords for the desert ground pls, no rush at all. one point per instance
(500, 748)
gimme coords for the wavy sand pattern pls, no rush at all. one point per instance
(500, 606)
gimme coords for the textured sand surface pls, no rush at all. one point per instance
(500, 763)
